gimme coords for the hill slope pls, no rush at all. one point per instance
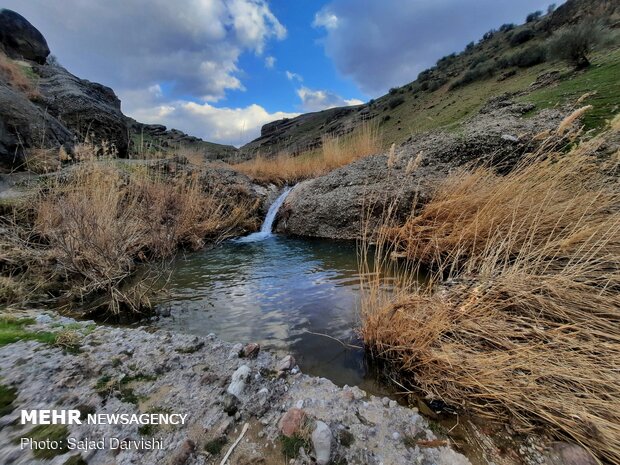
(508, 60)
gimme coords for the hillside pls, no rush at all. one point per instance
(509, 60)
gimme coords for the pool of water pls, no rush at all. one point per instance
(290, 295)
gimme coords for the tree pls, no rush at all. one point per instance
(574, 44)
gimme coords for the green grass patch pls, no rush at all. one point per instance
(291, 446)
(48, 432)
(15, 329)
(601, 77)
(215, 446)
(7, 397)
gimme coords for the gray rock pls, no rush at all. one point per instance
(239, 380)
(24, 125)
(20, 39)
(322, 443)
(86, 108)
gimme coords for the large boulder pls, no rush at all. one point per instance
(24, 125)
(87, 108)
(20, 39)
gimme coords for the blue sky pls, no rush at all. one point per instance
(220, 69)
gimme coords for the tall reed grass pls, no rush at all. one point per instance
(335, 151)
(87, 230)
(521, 318)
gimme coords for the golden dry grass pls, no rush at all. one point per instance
(17, 78)
(87, 231)
(335, 151)
(522, 316)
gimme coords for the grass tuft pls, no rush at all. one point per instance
(521, 315)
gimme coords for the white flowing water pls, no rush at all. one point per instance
(267, 226)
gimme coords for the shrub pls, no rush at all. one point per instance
(470, 46)
(535, 16)
(393, 90)
(507, 27)
(446, 61)
(531, 56)
(574, 44)
(488, 35)
(522, 36)
(395, 101)
(483, 70)
(425, 75)
(436, 84)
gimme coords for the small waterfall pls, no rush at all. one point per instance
(265, 229)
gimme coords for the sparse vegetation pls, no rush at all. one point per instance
(19, 77)
(520, 316)
(58, 433)
(7, 397)
(335, 151)
(14, 329)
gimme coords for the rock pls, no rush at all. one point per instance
(235, 351)
(322, 443)
(20, 39)
(43, 319)
(184, 452)
(85, 107)
(230, 404)
(239, 379)
(286, 364)
(23, 125)
(563, 453)
(292, 422)
(250, 350)
(510, 138)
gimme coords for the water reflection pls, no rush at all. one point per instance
(281, 292)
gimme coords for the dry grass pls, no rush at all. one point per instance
(87, 231)
(522, 316)
(336, 151)
(17, 78)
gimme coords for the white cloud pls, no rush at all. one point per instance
(325, 18)
(192, 45)
(234, 126)
(384, 44)
(294, 76)
(316, 100)
(270, 62)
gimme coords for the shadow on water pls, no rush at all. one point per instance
(286, 294)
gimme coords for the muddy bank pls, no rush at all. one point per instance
(121, 370)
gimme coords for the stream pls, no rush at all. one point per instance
(290, 295)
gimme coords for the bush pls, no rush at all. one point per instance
(396, 101)
(535, 16)
(470, 46)
(507, 27)
(481, 71)
(488, 35)
(531, 56)
(446, 61)
(574, 44)
(522, 37)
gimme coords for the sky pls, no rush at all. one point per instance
(220, 69)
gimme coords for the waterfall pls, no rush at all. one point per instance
(265, 229)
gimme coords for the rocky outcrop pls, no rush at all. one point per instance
(156, 137)
(24, 124)
(20, 39)
(337, 204)
(90, 110)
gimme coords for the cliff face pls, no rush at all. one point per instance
(43, 106)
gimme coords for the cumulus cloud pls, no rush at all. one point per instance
(316, 100)
(234, 126)
(385, 44)
(191, 45)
